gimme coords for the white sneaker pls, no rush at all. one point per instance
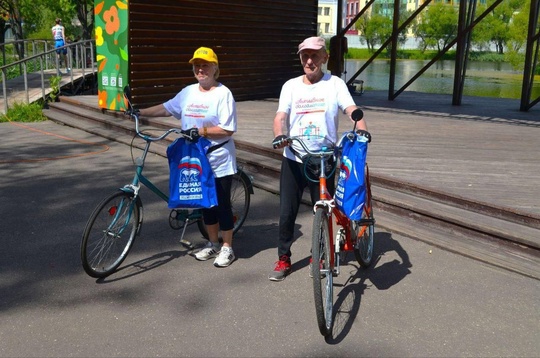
(225, 257)
(208, 252)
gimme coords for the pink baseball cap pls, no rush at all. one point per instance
(312, 43)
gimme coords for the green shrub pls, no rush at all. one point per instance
(22, 112)
(54, 81)
(486, 56)
(364, 53)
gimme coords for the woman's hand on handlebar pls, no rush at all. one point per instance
(192, 134)
(132, 112)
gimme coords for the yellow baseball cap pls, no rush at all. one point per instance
(206, 54)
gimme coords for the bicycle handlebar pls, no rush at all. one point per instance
(325, 151)
(356, 115)
(191, 134)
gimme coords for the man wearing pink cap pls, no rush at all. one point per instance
(307, 104)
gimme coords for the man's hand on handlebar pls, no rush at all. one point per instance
(280, 141)
(365, 134)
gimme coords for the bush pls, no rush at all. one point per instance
(486, 57)
(22, 112)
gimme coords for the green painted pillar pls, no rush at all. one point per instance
(111, 31)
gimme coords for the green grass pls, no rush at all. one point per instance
(22, 112)
(364, 53)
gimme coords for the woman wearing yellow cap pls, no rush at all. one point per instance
(209, 106)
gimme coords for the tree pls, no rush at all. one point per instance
(378, 27)
(12, 8)
(37, 16)
(496, 27)
(437, 27)
(83, 10)
(374, 29)
(517, 36)
(85, 14)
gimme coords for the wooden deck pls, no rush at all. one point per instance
(484, 150)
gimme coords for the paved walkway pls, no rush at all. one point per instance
(164, 303)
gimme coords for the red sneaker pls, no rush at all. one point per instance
(282, 269)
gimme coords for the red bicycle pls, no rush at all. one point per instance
(329, 243)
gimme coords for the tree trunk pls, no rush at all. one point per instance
(83, 12)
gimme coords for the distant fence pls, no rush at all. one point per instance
(80, 55)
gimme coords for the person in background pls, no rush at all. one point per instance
(209, 107)
(309, 103)
(59, 36)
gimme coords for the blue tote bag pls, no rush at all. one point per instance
(350, 193)
(191, 180)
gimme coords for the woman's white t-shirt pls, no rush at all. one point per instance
(313, 111)
(208, 109)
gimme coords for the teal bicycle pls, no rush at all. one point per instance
(115, 223)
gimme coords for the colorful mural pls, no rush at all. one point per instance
(111, 31)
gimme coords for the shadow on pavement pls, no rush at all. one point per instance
(383, 277)
(142, 266)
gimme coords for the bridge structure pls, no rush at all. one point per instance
(468, 18)
(34, 77)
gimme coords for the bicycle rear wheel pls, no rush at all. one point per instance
(109, 233)
(321, 271)
(363, 231)
(240, 201)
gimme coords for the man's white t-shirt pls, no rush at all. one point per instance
(313, 111)
(208, 109)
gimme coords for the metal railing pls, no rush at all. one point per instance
(80, 55)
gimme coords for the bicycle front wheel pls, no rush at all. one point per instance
(240, 201)
(109, 233)
(363, 231)
(321, 271)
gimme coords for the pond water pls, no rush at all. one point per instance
(486, 79)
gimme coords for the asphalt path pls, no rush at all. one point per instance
(416, 301)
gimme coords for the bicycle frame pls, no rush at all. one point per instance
(343, 232)
(341, 239)
(140, 178)
(187, 216)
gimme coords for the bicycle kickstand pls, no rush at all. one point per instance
(184, 242)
